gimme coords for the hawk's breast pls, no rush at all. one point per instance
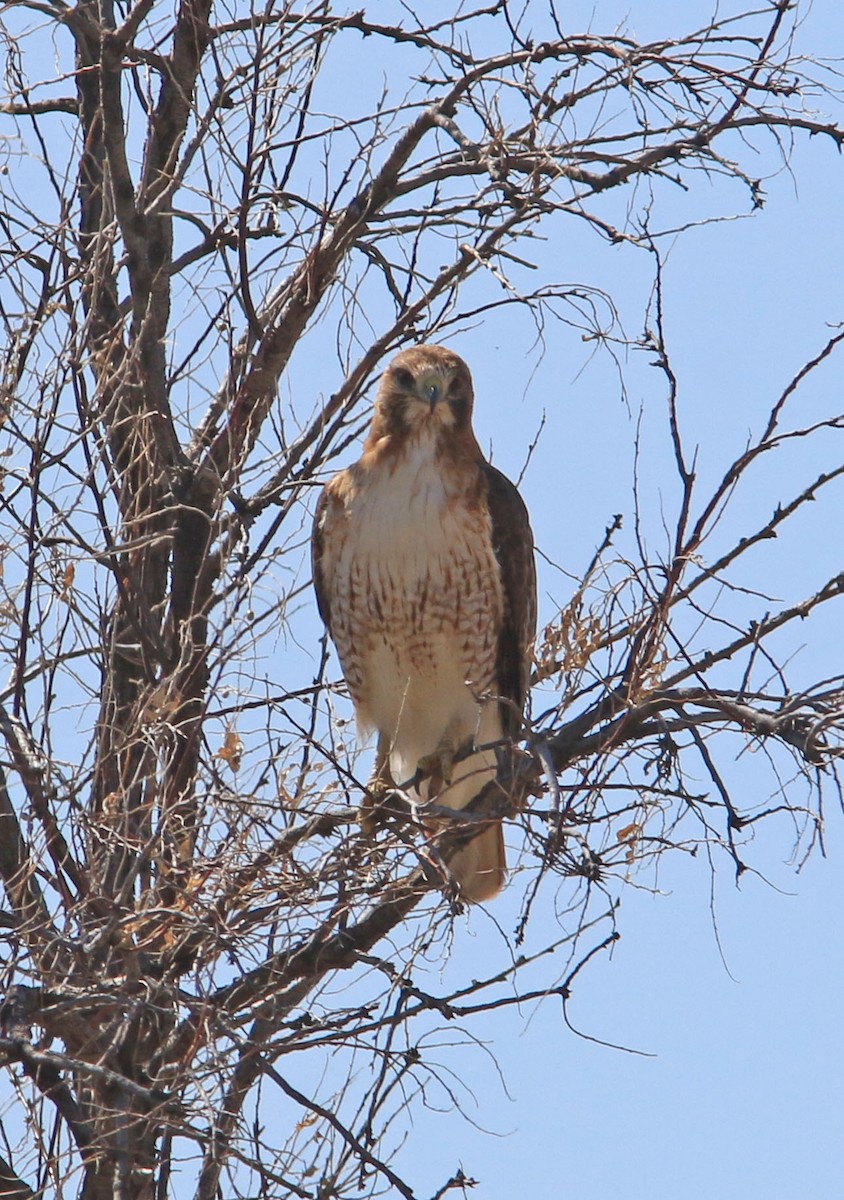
(416, 602)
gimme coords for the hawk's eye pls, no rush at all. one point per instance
(454, 388)
(404, 379)
(459, 405)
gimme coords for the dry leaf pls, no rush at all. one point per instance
(231, 750)
(67, 581)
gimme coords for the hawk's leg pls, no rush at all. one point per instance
(380, 785)
(438, 767)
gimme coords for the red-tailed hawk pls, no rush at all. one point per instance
(424, 574)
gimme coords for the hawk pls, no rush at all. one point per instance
(424, 573)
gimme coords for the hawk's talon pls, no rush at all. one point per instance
(438, 767)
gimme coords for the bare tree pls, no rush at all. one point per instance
(211, 241)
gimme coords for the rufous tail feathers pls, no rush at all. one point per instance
(480, 867)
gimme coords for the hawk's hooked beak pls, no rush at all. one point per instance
(432, 391)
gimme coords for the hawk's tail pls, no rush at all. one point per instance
(480, 867)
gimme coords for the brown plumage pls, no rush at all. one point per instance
(424, 574)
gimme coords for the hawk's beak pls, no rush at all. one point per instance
(431, 391)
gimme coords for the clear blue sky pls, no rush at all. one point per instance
(737, 1090)
(731, 1081)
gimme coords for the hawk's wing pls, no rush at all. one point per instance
(318, 564)
(512, 542)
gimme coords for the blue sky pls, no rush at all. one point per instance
(736, 1087)
(726, 1001)
(725, 998)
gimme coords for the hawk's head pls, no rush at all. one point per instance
(425, 388)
